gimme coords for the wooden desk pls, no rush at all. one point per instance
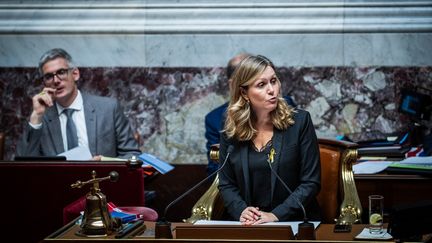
(324, 233)
(396, 189)
(35, 193)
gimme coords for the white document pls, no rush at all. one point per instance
(365, 235)
(104, 158)
(293, 224)
(426, 160)
(77, 153)
(370, 167)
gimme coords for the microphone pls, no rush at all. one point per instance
(305, 229)
(163, 227)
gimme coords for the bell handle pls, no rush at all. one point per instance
(113, 176)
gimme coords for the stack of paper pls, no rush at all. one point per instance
(371, 167)
(365, 235)
(427, 160)
(413, 165)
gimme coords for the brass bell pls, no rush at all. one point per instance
(97, 220)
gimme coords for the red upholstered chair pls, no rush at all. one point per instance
(72, 211)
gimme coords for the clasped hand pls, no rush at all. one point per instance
(253, 216)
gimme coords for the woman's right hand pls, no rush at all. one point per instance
(250, 215)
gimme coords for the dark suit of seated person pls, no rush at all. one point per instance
(427, 142)
(264, 131)
(96, 122)
(215, 118)
(428, 145)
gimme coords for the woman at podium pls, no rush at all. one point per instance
(272, 172)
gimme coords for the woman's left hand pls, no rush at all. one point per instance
(265, 218)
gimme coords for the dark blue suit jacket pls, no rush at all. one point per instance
(213, 126)
(297, 163)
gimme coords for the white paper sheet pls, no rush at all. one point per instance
(77, 153)
(427, 160)
(104, 158)
(293, 224)
(370, 167)
(365, 235)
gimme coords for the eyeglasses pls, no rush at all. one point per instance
(61, 74)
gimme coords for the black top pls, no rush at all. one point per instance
(260, 175)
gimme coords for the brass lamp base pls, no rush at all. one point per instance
(95, 234)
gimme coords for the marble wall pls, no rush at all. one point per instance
(345, 61)
(167, 105)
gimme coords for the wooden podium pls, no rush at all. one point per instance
(259, 232)
(185, 232)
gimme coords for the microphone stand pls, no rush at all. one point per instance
(306, 230)
(163, 227)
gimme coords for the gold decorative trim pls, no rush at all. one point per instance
(350, 209)
(203, 208)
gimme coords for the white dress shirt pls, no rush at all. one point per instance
(77, 116)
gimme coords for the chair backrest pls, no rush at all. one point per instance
(330, 194)
(2, 142)
(338, 197)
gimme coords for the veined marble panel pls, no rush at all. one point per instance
(206, 33)
(299, 50)
(167, 105)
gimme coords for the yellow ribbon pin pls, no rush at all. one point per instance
(271, 156)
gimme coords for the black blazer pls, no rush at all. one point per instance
(297, 162)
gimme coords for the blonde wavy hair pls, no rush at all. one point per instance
(239, 123)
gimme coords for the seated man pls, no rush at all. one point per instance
(64, 118)
(427, 143)
(214, 119)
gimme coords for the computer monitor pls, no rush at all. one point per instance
(416, 104)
